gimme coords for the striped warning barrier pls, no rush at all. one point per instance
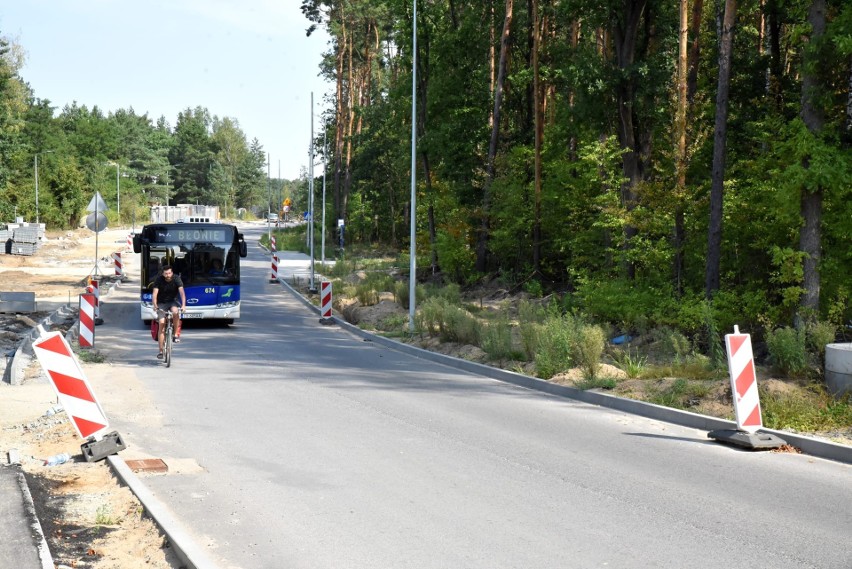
(97, 291)
(128, 246)
(743, 381)
(71, 386)
(119, 266)
(274, 277)
(87, 320)
(272, 245)
(325, 299)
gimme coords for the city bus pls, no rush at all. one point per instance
(207, 258)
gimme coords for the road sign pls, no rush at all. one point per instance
(71, 386)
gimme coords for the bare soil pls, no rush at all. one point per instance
(89, 519)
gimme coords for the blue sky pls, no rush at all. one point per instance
(245, 59)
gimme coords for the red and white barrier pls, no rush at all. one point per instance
(71, 386)
(95, 289)
(274, 277)
(119, 266)
(272, 245)
(86, 336)
(129, 245)
(325, 299)
(743, 381)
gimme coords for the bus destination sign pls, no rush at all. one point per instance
(192, 235)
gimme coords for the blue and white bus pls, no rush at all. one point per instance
(207, 258)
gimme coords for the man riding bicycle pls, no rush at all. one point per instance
(167, 288)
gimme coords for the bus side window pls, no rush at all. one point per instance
(153, 268)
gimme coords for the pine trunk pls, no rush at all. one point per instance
(714, 232)
(484, 229)
(811, 204)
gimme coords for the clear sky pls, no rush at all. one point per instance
(245, 59)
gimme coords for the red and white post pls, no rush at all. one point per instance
(119, 266)
(86, 336)
(325, 302)
(272, 244)
(97, 292)
(743, 381)
(746, 398)
(274, 277)
(73, 389)
(77, 397)
(129, 245)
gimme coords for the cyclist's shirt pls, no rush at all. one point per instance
(167, 291)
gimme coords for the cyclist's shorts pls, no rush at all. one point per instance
(163, 308)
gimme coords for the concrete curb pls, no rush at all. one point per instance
(184, 546)
(28, 531)
(808, 445)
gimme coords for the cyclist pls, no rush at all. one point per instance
(168, 295)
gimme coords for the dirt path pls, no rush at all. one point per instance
(88, 518)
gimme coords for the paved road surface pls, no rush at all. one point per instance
(315, 449)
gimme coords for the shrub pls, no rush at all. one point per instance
(534, 288)
(428, 318)
(402, 290)
(587, 348)
(817, 335)
(530, 338)
(497, 339)
(787, 351)
(553, 354)
(366, 294)
(449, 322)
(632, 366)
(531, 312)
(459, 326)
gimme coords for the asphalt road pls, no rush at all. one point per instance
(318, 449)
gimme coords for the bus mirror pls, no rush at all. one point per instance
(243, 249)
(137, 243)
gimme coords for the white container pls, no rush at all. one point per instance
(838, 368)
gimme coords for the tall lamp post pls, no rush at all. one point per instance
(36, 179)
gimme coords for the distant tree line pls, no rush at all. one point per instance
(127, 157)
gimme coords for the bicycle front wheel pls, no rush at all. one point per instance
(167, 351)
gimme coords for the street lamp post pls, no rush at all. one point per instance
(117, 192)
(36, 179)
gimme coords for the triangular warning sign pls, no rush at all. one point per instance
(97, 203)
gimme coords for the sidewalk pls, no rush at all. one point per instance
(22, 542)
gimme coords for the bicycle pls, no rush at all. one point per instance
(167, 340)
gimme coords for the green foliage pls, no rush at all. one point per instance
(366, 294)
(787, 351)
(402, 292)
(530, 317)
(587, 348)
(631, 364)
(810, 410)
(818, 335)
(553, 353)
(496, 339)
(679, 394)
(596, 383)
(534, 288)
(449, 322)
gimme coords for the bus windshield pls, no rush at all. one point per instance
(205, 256)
